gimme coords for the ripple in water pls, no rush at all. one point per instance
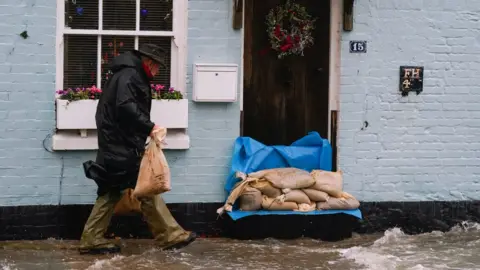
(7, 266)
(456, 249)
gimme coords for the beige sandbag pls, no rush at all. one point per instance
(154, 175)
(235, 193)
(339, 204)
(316, 195)
(251, 199)
(263, 173)
(334, 180)
(304, 207)
(128, 204)
(266, 188)
(285, 177)
(330, 183)
(274, 204)
(297, 196)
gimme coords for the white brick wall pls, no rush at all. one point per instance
(424, 147)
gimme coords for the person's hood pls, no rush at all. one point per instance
(127, 60)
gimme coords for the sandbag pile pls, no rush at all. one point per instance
(290, 189)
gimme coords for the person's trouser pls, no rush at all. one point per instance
(163, 226)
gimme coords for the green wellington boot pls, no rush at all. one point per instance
(167, 232)
(93, 240)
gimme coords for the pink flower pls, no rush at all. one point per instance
(110, 44)
(159, 87)
(171, 90)
(121, 44)
(93, 90)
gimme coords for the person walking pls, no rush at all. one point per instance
(123, 126)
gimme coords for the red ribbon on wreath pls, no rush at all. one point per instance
(295, 38)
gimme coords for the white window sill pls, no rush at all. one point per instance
(72, 140)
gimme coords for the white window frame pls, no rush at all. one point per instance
(178, 34)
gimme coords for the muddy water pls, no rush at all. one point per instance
(457, 249)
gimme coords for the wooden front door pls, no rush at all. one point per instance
(285, 99)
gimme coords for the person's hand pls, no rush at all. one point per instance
(154, 130)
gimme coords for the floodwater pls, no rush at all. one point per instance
(456, 249)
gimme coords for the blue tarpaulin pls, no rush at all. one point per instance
(237, 214)
(311, 152)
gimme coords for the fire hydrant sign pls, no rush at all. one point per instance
(358, 46)
(411, 79)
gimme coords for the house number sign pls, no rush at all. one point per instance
(411, 79)
(357, 46)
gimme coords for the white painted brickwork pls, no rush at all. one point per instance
(424, 147)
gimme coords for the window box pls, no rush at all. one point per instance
(80, 114)
(170, 113)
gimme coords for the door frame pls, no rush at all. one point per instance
(336, 8)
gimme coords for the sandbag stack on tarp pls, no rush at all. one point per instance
(290, 189)
(309, 157)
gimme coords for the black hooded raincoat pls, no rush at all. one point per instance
(123, 125)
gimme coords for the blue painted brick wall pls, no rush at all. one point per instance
(29, 175)
(424, 147)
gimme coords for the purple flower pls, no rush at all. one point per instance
(79, 11)
(171, 90)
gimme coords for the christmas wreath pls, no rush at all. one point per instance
(289, 29)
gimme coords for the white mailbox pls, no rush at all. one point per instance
(215, 82)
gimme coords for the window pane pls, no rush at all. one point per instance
(113, 46)
(81, 14)
(80, 61)
(119, 15)
(166, 43)
(156, 15)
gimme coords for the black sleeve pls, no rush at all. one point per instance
(128, 111)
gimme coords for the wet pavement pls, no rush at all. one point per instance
(393, 249)
(202, 254)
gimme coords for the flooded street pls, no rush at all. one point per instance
(456, 249)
